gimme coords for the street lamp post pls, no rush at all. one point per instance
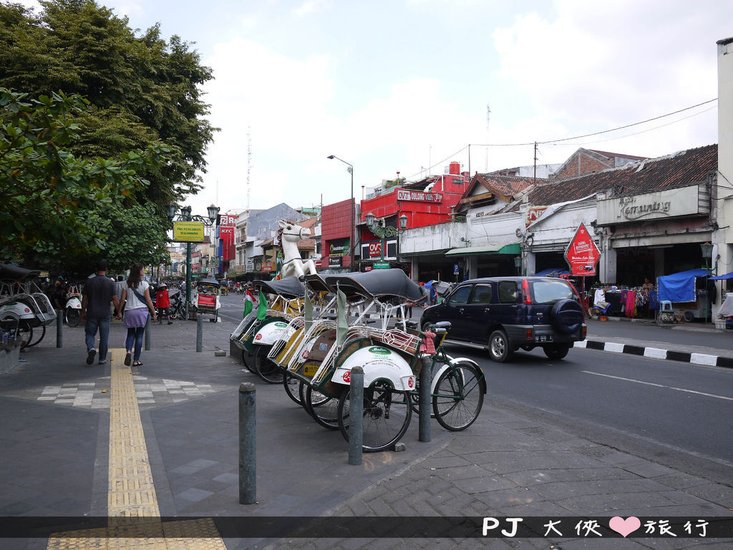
(185, 215)
(353, 210)
(707, 253)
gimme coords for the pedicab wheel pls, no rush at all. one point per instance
(386, 417)
(292, 388)
(34, 341)
(322, 408)
(459, 396)
(248, 360)
(264, 367)
(25, 331)
(73, 316)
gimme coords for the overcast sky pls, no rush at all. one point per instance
(406, 85)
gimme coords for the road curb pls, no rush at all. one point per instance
(658, 353)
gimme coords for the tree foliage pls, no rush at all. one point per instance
(58, 210)
(141, 99)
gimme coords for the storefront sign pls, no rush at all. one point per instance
(375, 249)
(226, 243)
(338, 250)
(533, 214)
(335, 261)
(418, 196)
(582, 254)
(685, 201)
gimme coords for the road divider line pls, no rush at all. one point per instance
(703, 359)
(658, 385)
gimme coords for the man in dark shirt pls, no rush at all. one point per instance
(98, 293)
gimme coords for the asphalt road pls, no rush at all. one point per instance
(676, 413)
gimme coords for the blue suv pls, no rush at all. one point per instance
(505, 314)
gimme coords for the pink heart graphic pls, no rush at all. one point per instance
(624, 527)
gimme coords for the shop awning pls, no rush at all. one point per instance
(508, 249)
(722, 277)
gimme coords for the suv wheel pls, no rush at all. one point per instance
(499, 348)
(556, 351)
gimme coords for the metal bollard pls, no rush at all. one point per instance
(147, 334)
(356, 415)
(199, 333)
(425, 394)
(247, 444)
(59, 328)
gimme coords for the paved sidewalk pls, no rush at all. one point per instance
(56, 439)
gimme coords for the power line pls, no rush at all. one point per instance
(596, 133)
(561, 140)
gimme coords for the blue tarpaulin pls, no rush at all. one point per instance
(680, 287)
(722, 277)
(552, 272)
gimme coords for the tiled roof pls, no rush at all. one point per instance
(669, 172)
(505, 186)
(614, 155)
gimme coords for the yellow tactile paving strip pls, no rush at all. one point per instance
(131, 491)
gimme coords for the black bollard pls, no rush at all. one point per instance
(59, 328)
(356, 415)
(247, 444)
(147, 334)
(199, 333)
(425, 394)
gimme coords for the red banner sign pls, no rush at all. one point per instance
(582, 254)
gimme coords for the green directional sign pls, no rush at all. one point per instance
(381, 265)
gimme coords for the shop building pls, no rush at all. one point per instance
(649, 218)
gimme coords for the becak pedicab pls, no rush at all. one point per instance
(390, 356)
(279, 301)
(206, 299)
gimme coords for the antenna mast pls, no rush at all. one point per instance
(249, 164)
(488, 117)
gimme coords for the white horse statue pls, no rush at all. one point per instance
(289, 235)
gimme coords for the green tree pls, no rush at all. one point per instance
(142, 87)
(58, 211)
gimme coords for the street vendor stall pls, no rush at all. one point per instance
(683, 291)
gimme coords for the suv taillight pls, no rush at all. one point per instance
(525, 291)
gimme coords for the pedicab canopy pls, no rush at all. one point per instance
(13, 272)
(384, 283)
(680, 287)
(289, 287)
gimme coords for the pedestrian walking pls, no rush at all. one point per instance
(98, 294)
(163, 303)
(137, 302)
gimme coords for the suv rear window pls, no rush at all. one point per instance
(548, 292)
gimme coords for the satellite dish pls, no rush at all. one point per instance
(519, 233)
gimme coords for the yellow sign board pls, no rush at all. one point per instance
(188, 232)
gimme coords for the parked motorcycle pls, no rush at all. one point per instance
(72, 310)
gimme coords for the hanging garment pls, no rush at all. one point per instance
(630, 303)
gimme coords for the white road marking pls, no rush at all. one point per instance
(659, 385)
